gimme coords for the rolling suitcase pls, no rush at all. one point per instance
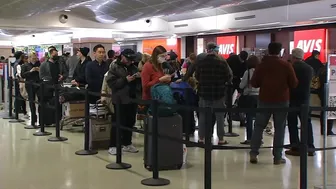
(170, 153)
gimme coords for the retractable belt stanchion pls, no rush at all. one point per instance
(42, 107)
(58, 137)
(208, 149)
(155, 180)
(17, 103)
(10, 99)
(187, 128)
(229, 105)
(87, 151)
(303, 147)
(118, 165)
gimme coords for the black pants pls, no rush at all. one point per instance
(127, 119)
(330, 123)
(20, 104)
(32, 93)
(293, 129)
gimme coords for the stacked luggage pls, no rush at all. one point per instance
(170, 153)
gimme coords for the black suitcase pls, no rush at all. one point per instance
(170, 153)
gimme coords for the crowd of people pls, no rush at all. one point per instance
(267, 82)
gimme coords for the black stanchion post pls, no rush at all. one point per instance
(58, 137)
(155, 180)
(229, 105)
(87, 151)
(42, 131)
(188, 118)
(16, 103)
(303, 147)
(10, 99)
(32, 121)
(118, 165)
(208, 148)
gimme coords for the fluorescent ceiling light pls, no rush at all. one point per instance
(88, 5)
(67, 10)
(267, 24)
(159, 16)
(323, 18)
(200, 33)
(203, 9)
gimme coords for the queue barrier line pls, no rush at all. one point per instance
(155, 180)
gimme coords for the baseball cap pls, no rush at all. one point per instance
(129, 54)
(211, 46)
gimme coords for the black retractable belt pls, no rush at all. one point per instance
(87, 151)
(42, 108)
(58, 137)
(118, 164)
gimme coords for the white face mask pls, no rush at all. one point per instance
(161, 60)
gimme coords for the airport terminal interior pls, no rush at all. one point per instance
(87, 82)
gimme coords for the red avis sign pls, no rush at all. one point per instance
(309, 40)
(227, 45)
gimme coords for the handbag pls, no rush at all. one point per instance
(246, 101)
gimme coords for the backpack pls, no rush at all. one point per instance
(164, 94)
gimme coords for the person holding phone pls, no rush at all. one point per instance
(121, 78)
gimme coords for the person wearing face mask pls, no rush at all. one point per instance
(152, 72)
(30, 72)
(121, 78)
(54, 71)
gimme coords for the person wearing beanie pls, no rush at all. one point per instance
(314, 61)
(79, 73)
(121, 78)
(300, 96)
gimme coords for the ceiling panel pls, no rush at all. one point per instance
(127, 10)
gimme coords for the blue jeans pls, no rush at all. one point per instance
(219, 117)
(262, 120)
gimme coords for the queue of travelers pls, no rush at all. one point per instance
(267, 82)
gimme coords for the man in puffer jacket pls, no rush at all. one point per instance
(121, 78)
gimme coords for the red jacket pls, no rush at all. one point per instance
(149, 77)
(274, 77)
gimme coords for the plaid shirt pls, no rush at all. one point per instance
(212, 74)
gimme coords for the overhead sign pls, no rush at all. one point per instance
(227, 45)
(309, 40)
(332, 66)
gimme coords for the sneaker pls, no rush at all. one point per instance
(253, 159)
(112, 150)
(292, 152)
(279, 162)
(130, 148)
(311, 154)
(246, 142)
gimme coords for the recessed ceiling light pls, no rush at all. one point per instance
(88, 5)
(67, 10)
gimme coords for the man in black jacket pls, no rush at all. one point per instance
(212, 74)
(30, 72)
(121, 79)
(79, 79)
(298, 97)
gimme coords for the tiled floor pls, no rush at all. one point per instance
(29, 162)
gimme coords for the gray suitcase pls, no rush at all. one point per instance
(170, 153)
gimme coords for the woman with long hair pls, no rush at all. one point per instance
(145, 58)
(250, 95)
(152, 71)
